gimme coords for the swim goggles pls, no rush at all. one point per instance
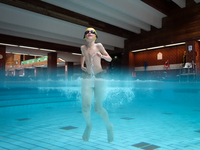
(90, 31)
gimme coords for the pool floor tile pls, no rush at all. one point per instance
(127, 118)
(23, 119)
(196, 110)
(167, 113)
(68, 128)
(142, 144)
(150, 147)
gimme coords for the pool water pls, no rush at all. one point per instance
(146, 115)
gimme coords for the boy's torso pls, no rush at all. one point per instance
(92, 60)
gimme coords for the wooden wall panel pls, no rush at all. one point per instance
(13, 59)
(131, 61)
(173, 54)
(197, 49)
(181, 25)
(2, 61)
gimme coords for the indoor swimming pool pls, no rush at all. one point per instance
(146, 115)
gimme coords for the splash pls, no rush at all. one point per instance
(118, 97)
(71, 93)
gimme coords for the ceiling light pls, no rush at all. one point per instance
(76, 54)
(61, 59)
(139, 50)
(50, 50)
(28, 47)
(175, 44)
(19, 53)
(155, 47)
(35, 55)
(8, 44)
(15, 53)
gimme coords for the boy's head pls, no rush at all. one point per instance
(92, 31)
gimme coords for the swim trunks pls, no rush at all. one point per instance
(100, 75)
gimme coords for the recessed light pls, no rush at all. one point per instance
(50, 50)
(155, 47)
(28, 47)
(76, 54)
(9, 44)
(175, 44)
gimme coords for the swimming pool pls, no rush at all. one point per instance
(146, 115)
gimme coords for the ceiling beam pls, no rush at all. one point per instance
(36, 43)
(8, 39)
(99, 10)
(50, 10)
(181, 3)
(164, 6)
(138, 10)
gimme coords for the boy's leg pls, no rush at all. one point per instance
(99, 87)
(87, 94)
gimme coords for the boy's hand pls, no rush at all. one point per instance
(84, 69)
(99, 54)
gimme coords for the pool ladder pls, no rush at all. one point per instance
(187, 72)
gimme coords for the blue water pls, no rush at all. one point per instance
(145, 114)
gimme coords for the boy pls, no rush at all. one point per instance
(92, 82)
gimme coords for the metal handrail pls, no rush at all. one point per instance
(187, 71)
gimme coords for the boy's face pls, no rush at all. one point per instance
(90, 34)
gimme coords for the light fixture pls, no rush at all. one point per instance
(76, 54)
(61, 59)
(199, 40)
(19, 53)
(155, 47)
(139, 50)
(16, 53)
(175, 44)
(34, 55)
(50, 50)
(8, 44)
(28, 47)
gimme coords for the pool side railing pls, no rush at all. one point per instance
(187, 72)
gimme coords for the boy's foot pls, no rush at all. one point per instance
(110, 133)
(86, 134)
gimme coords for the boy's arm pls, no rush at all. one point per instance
(83, 61)
(104, 54)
